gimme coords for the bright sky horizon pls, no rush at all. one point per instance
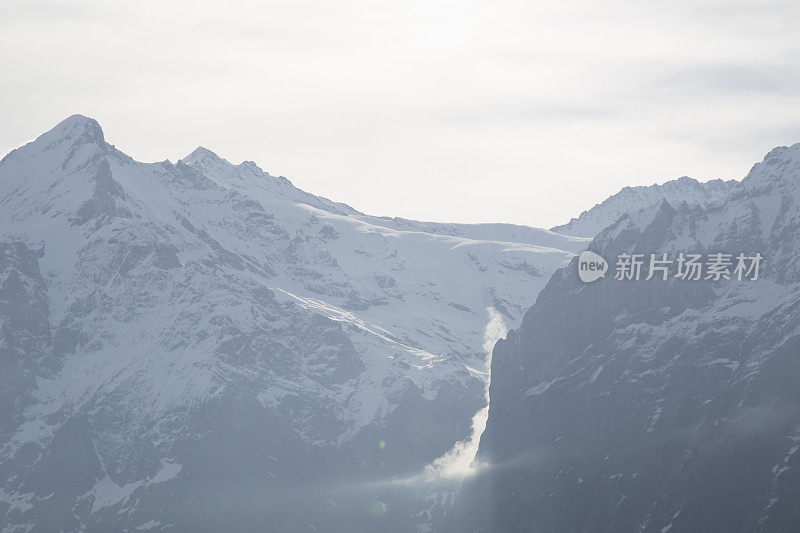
(507, 111)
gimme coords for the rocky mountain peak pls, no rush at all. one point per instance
(779, 168)
(201, 153)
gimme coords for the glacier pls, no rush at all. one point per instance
(200, 345)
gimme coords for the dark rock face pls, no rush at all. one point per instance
(24, 329)
(655, 405)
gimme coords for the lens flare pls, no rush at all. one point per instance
(378, 508)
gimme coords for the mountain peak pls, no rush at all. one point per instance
(69, 134)
(201, 153)
(632, 199)
(78, 128)
(780, 168)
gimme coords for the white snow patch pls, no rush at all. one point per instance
(108, 493)
(17, 501)
(596, 373)
(168, 471)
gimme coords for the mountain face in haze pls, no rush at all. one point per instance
(624, 405)
(201, 346)
(632, 199)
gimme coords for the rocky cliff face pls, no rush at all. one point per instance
(655, 405)
(202, 346)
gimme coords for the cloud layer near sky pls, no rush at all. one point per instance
(502, 111)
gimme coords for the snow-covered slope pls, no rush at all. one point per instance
(661, 405)
(201, 345)
(632, 199)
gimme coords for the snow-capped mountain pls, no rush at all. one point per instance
(624, 405)
(632, 199)
(202, 346)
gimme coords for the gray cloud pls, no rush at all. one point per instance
(764, 80)
(532, 111)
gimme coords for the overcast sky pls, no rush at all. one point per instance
(494, 111)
